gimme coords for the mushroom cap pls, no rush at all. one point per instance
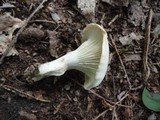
(94, 55)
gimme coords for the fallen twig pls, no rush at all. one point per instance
(107, 102)
(114, 87)
(137, 88)
(97, 117)
(126, 95)
(20, 30)
(114, 114)
(44, 21)
(146, 69)
(58, 107)
(113, 20)
(124, 69)
(102, 19)
(21, 93)
(157, 63)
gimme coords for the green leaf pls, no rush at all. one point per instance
(151, 100)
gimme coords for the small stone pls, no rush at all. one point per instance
(67, 87)
(55, 17)
(75, 99)
(77, 93)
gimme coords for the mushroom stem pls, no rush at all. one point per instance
(56, 67)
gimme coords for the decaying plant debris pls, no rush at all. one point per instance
(54, 29)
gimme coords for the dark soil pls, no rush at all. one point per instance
(68, 100)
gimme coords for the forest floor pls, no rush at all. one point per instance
(61, 98)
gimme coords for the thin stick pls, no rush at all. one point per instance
(126, 95)
(108, 102)
(19, 32)
(21, 93)
(137, 88)
(114, 114)
(97, 117)
(124, 69)
(146, 69)
(113, 20)
(158, 63)
(44, 21)
(102, 19)
(114, 87)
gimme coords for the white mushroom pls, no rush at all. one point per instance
(91, 57)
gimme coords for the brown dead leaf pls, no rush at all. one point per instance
(127, 113)
(38, 94)
(4, 42)
(134, 97)
(27, 116)
(8, 25)
(8, 21)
